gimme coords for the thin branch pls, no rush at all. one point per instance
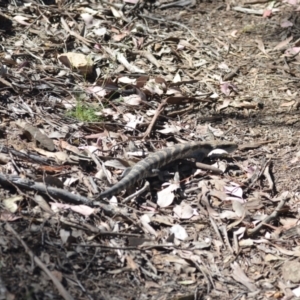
(269, 218)
(55, 281)
(159, 110)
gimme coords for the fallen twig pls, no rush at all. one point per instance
(159, 110)
(57, 193)
(257, 175)
(269, 218)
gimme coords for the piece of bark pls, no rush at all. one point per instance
(34, 133)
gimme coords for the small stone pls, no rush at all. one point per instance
(291, 271)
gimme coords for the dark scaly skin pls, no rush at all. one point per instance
(161, 158)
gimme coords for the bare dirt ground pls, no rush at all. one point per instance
(89, 88)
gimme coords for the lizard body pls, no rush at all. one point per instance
(158, 159)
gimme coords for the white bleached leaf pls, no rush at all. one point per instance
(179, 232)
(100, 31)
(154, 87)
(170, 129)
(223, 66)
(240, 232)
(117, 13)
(173, 91)
(127, 80)
(139, 153)
(246, 243)
(131, 68)
(81, 209)
(133, 100)
(296, 291)
(64, 235)
(22, 20)
(104, 175)
(217, 153)
(88, 19)
(11, 203)
(234, 190)
(150, 112)
(145, 218)
(132, 121)
(70, 181)
(113, 201)
(177, 78)
(183, 211)
(166, 196)
(221, 165)
(98, 90)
